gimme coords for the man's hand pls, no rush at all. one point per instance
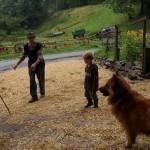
(19, 62)
(32, 67)
(15, 66)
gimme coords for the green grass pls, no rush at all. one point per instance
(101, 52)
(10, 55)
(68, 49)
(93, 18)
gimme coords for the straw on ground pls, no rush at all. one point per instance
(59, 120)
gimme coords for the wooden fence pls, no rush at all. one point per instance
(53, 44)
(117, 50)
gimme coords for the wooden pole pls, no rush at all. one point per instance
(56, 5)
(61, 29)
(144, 34)
(5, 104)
(144, 41)
(142, 7)
(117, 51)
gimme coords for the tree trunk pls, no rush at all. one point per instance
(142, 7)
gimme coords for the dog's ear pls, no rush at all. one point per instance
(114, 78)
(117, 73)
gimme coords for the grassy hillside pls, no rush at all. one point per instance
(93, 18)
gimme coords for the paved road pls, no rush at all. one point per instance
(7, 64)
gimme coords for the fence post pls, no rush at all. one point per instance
(117, 50)
(146, 64)
(144, 41)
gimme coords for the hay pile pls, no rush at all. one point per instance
(59, 121)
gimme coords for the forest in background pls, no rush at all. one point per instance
(17, 14)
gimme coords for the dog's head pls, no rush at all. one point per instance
(114, 84)
(106, 89)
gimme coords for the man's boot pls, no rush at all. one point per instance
(33, 99)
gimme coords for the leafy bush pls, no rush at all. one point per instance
(131, 47)
(148, 40)
(8, 23)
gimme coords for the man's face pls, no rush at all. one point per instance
(31, 39)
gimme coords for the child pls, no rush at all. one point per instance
(91, 80)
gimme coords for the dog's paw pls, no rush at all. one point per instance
(128, 146)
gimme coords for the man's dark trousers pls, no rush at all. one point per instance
(40, 72)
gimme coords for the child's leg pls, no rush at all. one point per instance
(89, 99)
(95, 98)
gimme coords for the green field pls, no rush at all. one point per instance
(92, 18)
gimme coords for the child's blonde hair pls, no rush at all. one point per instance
(88, 55)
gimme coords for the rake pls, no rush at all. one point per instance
(5, 104)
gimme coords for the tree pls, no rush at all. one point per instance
(8, 23)
(122, 6)
(127, 6)
(31, 12)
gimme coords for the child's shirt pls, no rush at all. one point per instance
(91, 78)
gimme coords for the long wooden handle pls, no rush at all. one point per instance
(5, 104)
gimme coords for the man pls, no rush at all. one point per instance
(36, 65)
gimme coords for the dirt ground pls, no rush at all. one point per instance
(59, 121)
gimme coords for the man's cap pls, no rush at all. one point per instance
(31, 34)
(88, 55)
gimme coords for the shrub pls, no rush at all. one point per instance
(131, 47)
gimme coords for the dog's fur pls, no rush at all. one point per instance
(129, 107)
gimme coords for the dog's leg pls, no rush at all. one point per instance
(131, 136)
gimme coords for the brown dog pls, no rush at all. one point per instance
(130, 108)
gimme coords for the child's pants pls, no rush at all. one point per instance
(89, 96)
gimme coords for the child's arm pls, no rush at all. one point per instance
(96, 80)
(85, 79)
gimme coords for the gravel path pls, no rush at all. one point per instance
(7, 64)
